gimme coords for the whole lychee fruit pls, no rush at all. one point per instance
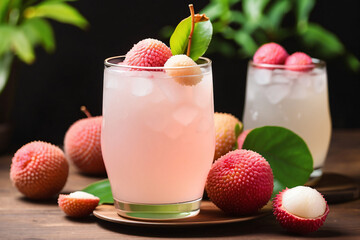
(270, 53)
(300, 209)
(39, 170)
(78, 204)
(242, 137)
(240, 182)
(299, 61)
(225, 138)
(148, 53)
(184, 70)
(82, 145)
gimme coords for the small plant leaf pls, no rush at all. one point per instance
(6, 33)
(253, 9)
(102, 190)
(39, 31)
(22, 46)
(200, 40)
(277, 12)
(59, 11)
(286, 152)
(325, 42)
(4, 5)
(303, 10)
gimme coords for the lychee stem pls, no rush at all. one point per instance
(84, 110)
(192, 29)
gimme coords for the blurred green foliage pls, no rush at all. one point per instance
(24, 25)
(241, 26)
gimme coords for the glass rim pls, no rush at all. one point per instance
(315, 63)
(109, 64)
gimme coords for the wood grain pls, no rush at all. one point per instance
(21, 218)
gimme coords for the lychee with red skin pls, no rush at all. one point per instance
(300, 209)
(240, 182)
(82, 145)
(225, 138)
(78, 204)
(183, 69)
(148, 53)
(270, 53)
(299, 61)
(39, 170)
(242, 137)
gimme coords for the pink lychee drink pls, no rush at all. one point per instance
(158, 139)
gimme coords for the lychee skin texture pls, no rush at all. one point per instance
(82, 145)
(224, 133)
(295, 223)
(299, 61)
(240, 182)
(270, 53)
(186, 76)
(39, 170)
(77, 207)
(148, 53)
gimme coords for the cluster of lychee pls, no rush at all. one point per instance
(275, 54)
(39, 170)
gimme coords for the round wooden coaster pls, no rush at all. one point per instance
(209, 214)
(338, 188)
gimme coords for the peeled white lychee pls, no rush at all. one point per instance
(183, 69)
(300, 209)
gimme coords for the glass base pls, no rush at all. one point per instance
(158, 211)
(314, 177)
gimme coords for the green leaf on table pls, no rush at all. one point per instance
(287, 153)
(102, 190)
(59, 11)
(200, 40)
(39, 31)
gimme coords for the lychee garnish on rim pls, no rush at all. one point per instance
(78, 204)
(183, 69)
(299, 61)
(300, 209)
(148, 53)
(270, 53)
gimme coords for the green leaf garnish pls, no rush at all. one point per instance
(102, 190)
(200, 39)
(286, 152)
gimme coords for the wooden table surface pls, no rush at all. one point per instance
(21, 218)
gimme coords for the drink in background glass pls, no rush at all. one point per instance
(158, 140)
(297, 100)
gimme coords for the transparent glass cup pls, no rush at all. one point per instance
(294, 98)
(157, 140)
